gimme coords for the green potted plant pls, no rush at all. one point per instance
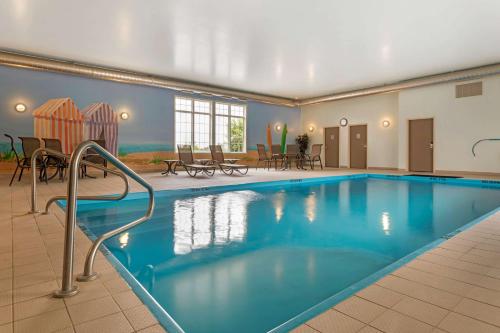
(303, 142)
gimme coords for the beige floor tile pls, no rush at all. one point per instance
(46, 322)
(5, 298)
(7, 328)
(333, 321)
(419, 291)
(159, 329)
(483, 295)
(34, 291)
(127, 299)
(438, 282)
(115, 286)
(446, 252)
(369, 329)
(115, 323)
(37, 306)
(140, 317)
(380, 295)
(480, 311)
(394, 322)
(34, 278)
(93, 309)
(88, 291)
(5, 284)
(422, 311)
(456, 323)
(5, 314)
(360, 309)
(301, 329)
(30, 269)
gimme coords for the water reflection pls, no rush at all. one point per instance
(311, 207)
(279, 202)
(213, 219)
(124, 238)
(385, 220)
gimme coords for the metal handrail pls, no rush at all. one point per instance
(51, 152)
(67, 288)
(94, 197)
(479, 141)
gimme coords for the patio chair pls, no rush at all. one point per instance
(61, 164)
(29, 145)
(276, 155)
(314, 156)
(293, 154)
(92, 156)
(227, 168)
(186, 160)
(261, 150)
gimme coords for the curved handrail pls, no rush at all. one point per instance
(94, 197)
(34, 158)
(479, 141)
(67, 288)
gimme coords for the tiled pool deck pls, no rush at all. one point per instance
(454, 287)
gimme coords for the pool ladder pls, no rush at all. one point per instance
(67, 287)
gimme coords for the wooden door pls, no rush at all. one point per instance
(358, 146)
(421, 145)
(332, 145)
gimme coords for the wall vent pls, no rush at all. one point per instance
(469, 89)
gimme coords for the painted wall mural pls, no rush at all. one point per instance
(59, 118)
(148, 134)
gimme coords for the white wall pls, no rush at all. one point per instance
(458, 123)
(369, 110)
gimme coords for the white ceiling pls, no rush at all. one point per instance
(288, 48)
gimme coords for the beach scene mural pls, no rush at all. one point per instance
(137, 123)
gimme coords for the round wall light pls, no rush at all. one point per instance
(311, 128)
(20, 107)
(386, 123)
(277, 127)
(343, 122)
(124, 115)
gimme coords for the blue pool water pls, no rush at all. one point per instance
(251, 259)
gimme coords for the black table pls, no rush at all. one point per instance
(171, 166)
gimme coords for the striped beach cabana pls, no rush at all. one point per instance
(101, 122)
(59, 119)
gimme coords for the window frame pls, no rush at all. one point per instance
(229, 116)
(212, 127)
(192, 113)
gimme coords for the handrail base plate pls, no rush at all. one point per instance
(63, 294)
(86, 278)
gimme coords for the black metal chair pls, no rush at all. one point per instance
(261, 150)
(60, 164)
(314, 156)
(29, 145)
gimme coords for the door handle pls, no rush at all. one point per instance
(365, 146)
(431, 145)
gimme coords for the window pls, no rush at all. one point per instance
(194, 125)
(230, 129)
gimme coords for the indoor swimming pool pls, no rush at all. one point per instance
(269, 256)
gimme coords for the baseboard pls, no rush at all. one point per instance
(383, 168)
(469, 173)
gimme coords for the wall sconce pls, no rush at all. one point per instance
(386, 123)
(311, 128)
(343, 122)
(277, 127)
(124, 115)
(20, 107)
